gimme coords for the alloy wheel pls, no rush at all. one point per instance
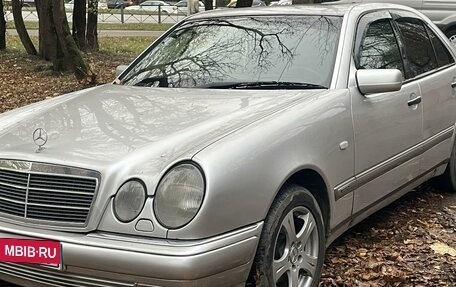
(453, 39)
(296, 250)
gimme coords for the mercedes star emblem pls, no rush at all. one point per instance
(40, 138)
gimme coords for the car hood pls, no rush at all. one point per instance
(112, 124)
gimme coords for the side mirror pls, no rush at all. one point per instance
(379, 81)
(120, 69)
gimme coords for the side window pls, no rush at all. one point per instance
(378, 49)
(442, 54)
(418, 47)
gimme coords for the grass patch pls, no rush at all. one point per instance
(14, 44)
(129, 46)
(124, 45)
(108, 26)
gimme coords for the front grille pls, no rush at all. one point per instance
(50, 277)
(60, 198)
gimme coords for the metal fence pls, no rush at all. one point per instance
(170, 14)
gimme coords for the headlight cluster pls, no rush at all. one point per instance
(177, 200)
(129, 200)
(179, 196)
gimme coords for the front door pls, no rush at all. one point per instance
(387, 126)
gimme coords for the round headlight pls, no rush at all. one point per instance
(129, 200)
(179, 196)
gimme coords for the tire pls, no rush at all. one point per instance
(286, 256)
(448, 179)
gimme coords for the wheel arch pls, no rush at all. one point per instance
(312, 180)
(448, 28)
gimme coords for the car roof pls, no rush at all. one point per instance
(327, 9)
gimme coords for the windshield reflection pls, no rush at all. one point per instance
(203, 53)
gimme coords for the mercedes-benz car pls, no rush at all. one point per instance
(231, 152)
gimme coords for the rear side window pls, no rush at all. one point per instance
(379, 48)
(442, 54)
(418, 47)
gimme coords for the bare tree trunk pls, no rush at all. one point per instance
(244, 3)
(20, 27)
(208, 5)
(49, 45)
(92, 23)
(73, 56)
(305, 1)
(79, 23)
(2, 27)
(41, 32)
(56, 42)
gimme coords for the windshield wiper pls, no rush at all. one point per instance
(267, 85)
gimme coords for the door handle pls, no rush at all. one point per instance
(414, 101)
(453, 85)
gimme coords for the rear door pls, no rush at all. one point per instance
(387, 126)
(432, 66)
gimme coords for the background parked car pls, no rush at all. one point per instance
(289, 2)
(181, 7)
(25, 3)
(28, 3)
(255, 3)
(116, 4)
(442, 13)
(70, 5)
(152, 6)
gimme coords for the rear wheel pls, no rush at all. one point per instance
(448, 179)
(451, 34)
(292, 244)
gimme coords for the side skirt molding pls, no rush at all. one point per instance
(349, 222)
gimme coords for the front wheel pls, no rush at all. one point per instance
(292, 244)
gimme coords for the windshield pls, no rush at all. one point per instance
(295, 50)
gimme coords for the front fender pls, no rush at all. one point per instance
(247, 168)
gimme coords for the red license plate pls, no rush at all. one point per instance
(36, 251)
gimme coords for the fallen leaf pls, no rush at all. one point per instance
(442, 249)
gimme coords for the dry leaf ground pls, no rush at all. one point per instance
(409, 243)
(396, 246)
(26, 79)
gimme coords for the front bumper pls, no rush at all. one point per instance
(97, 259)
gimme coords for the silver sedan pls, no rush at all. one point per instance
(231, 152)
